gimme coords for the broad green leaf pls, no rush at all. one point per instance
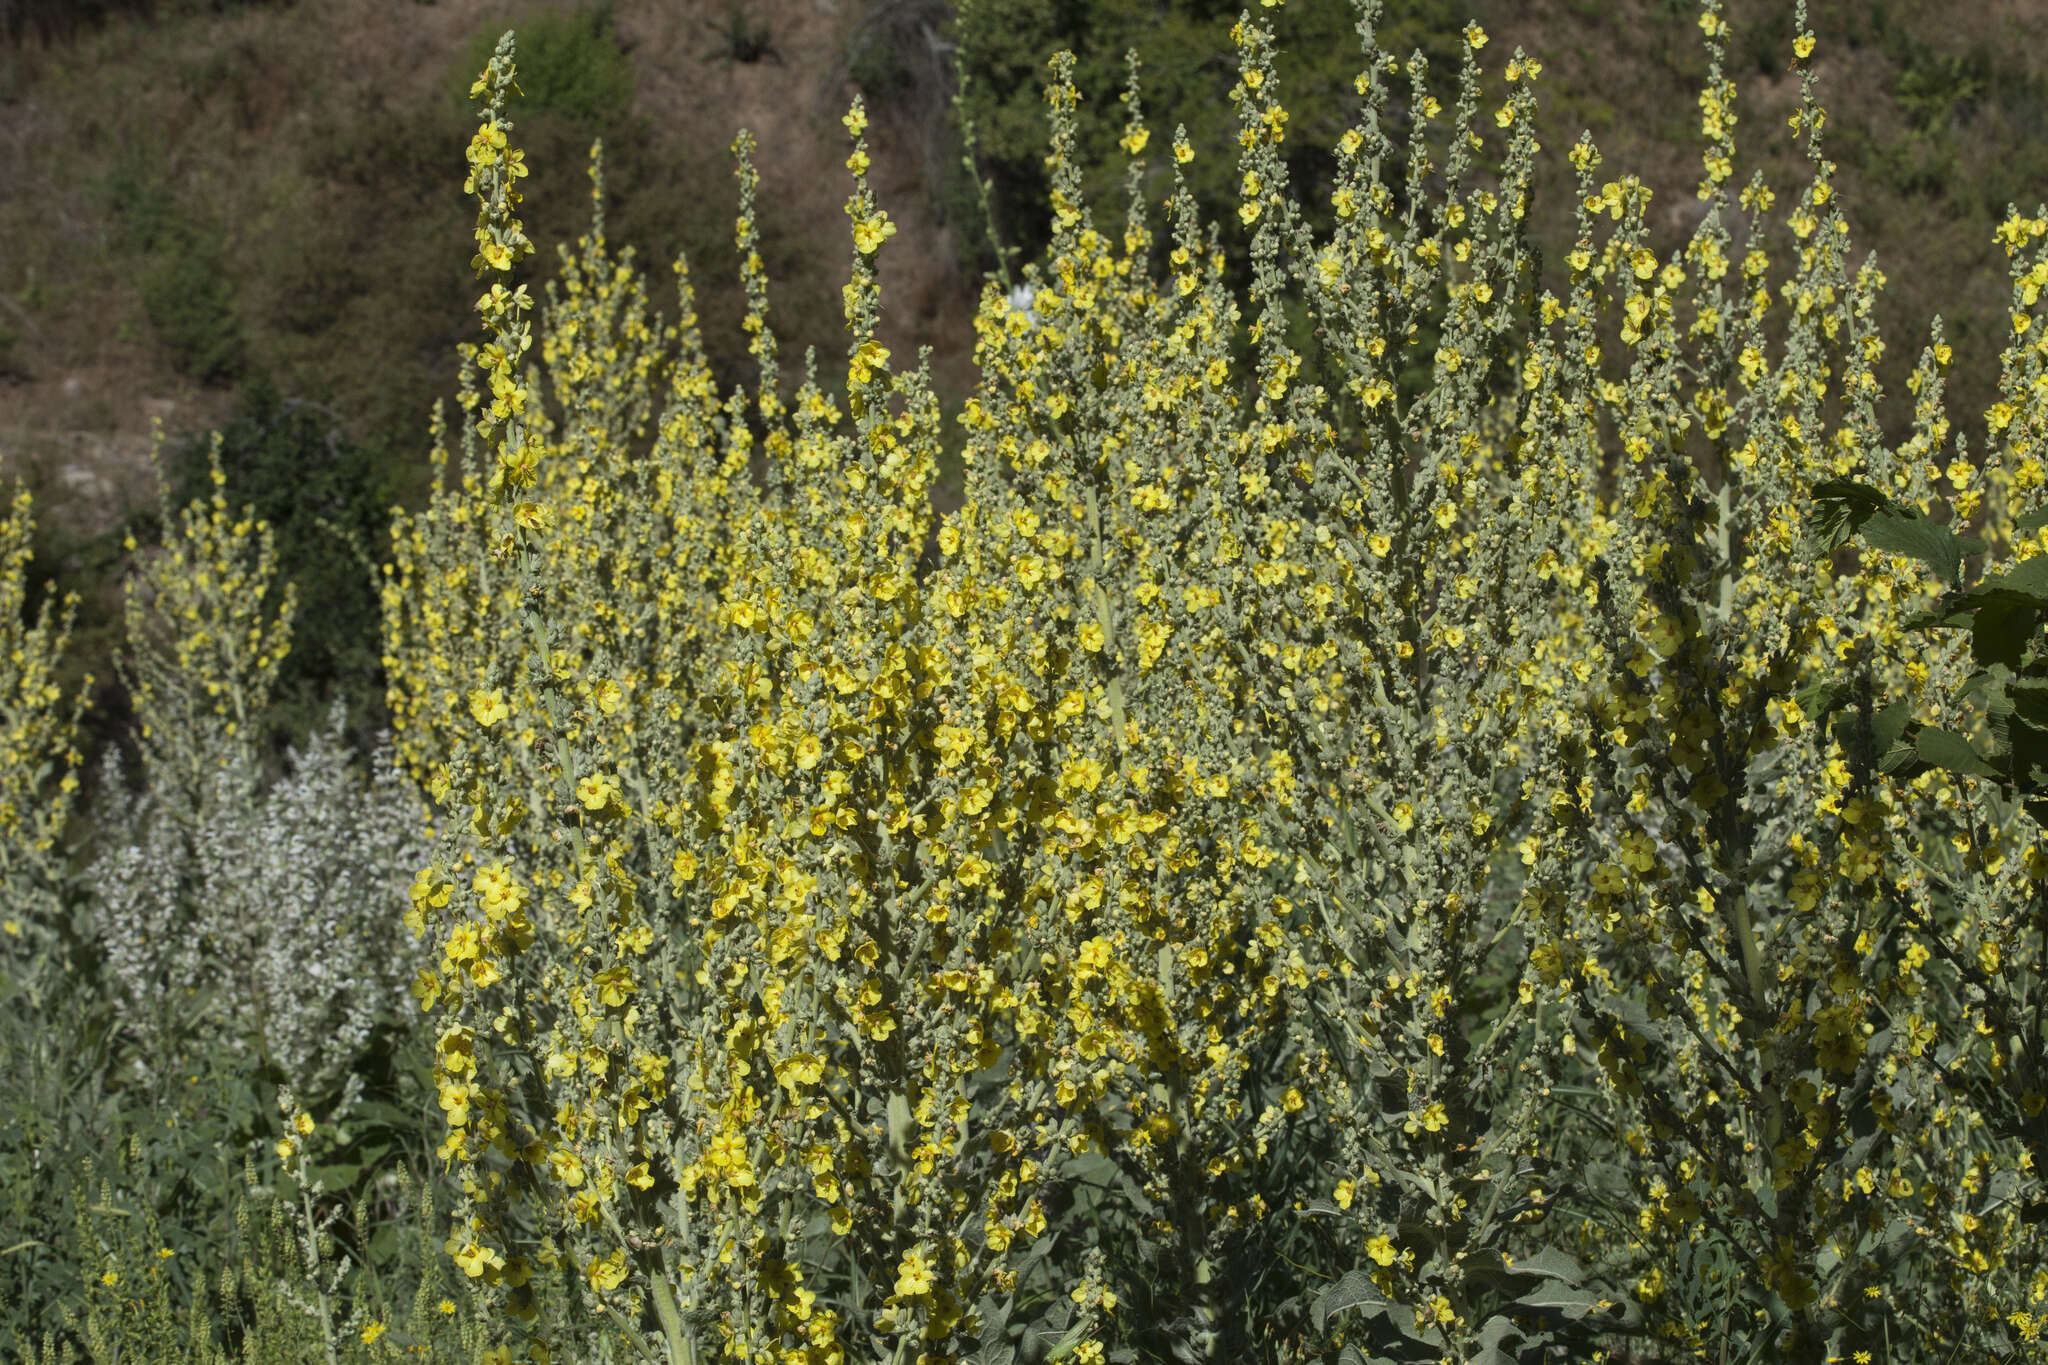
(1924, 539)
(1354, 1290)
(2027, 750)
(1946, 749)
(1842, 508)
(1494, 1338)
(1570, 1300)
(1820, 699)
(2004, 623)
(1550, 1264)
(2029, 578)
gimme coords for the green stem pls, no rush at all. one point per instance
(682, 1349)
(314, 1265)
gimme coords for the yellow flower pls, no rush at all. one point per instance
(913, 1275)
(372, 1332)
(870, 233)
(870, 357)
(607, 1272)
(1381, 1249)
(304, 1123)
(488, 707)
(1476, 36)
(477, 1260)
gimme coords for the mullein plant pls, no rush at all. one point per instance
(208, 624)
(1287, 868)
(1774, 977)
(39, 728)
(51, 1031)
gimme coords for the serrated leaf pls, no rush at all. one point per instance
(2029, 698)
(1888, 726)
(1840, 508)
(1354, 1290)
(1820, 699)
(1946, 749)
(2029, 578)
(2027, 754)
(1843, 508)
(2004, 624)
(1924, 539)
(1902, 761)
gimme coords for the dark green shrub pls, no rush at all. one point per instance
(1936, 92)
(190, 303)
(139, 205)
(570, 64)
(185, 285)
(741, 39)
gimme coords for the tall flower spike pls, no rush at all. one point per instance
(38, 727)
(496, 167)
(208, 629)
